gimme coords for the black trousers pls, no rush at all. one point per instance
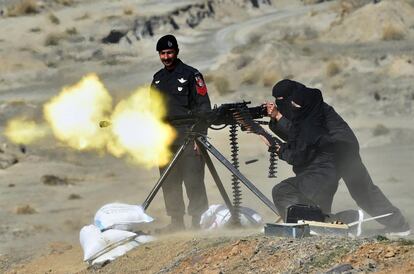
(365, 193)
(315, 188)
(190, 170)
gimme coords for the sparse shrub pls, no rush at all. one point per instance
(71, 31)
(403, 241)
(111, 61)
(74, 196)
(53, 39)
(35, 29)
(391, 32)
(222, 85)
(128, 10)
(381, 238)
(51, 64)
(65, 2)
(22, 8)
(53, 18)
(380, 129)
(24, 210)
(311, 2)
(332, 69)
(270, 78)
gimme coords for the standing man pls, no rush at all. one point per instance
(348, 161)
(184, 90)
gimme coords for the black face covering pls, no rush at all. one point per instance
(284, 89)
(307, 120)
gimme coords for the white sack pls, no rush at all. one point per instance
(122, 249)
(115, 252)
(217, 216)
(94, 242)
(120, 216)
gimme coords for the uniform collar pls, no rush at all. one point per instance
(178, 67)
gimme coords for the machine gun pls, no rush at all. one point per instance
(223, 115)
(233, 115)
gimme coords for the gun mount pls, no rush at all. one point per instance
(233, 115)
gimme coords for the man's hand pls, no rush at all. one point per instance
(272, 111)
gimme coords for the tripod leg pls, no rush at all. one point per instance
(216, 177)
(164, 175)
(237, 173)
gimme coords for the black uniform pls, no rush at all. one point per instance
(309, 150)
(184, 89)
(351, 168)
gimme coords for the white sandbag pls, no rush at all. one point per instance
(121, 216)
(115, 252)
(217, 216)
(94, 242)
(122, 249)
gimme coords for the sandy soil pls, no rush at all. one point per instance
(365, 75)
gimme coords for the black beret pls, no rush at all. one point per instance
(167, 42)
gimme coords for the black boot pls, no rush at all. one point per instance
(195, 222)
(177, 224)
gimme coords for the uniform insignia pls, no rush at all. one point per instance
(180, 88)
(170, 44)
(200, 85)
(157, 82)
(182, 80)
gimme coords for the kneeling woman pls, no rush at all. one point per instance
(309, 150)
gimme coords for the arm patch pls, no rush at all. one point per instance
(200, 84)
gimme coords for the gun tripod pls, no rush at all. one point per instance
(205, 147)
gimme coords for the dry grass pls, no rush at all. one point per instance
(25, 210)
(332, 69)
(65, 2)
(74, 196)
(128, 10)
(71, 31)
(53, 39)
(53, 18)
(391, 32)
(35, 29)
(23, 7)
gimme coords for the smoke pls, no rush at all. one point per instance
(74, 117)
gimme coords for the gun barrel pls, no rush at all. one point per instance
(222, 115)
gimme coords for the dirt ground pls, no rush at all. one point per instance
(365, 74)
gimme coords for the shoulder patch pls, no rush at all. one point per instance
(200, 84)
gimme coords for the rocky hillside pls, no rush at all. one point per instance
(236, 252)
(187, 16)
